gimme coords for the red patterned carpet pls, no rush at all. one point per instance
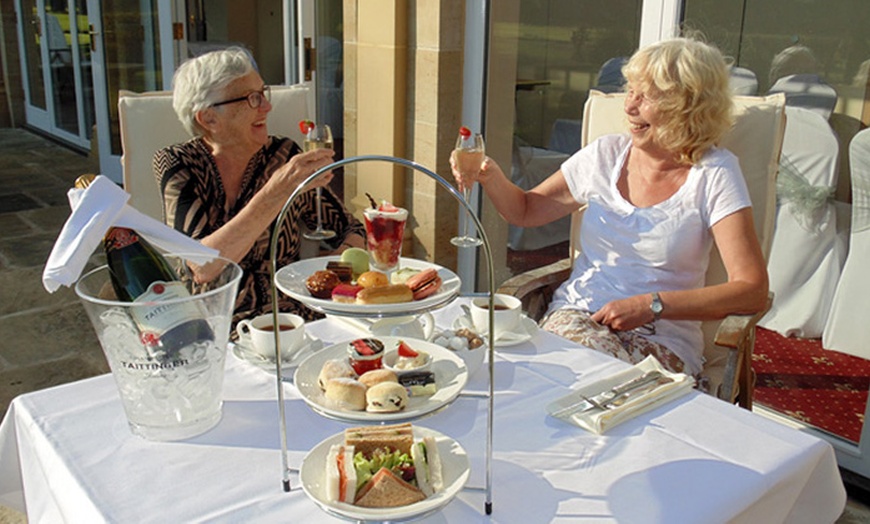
(824, 388)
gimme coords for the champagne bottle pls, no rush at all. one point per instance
(139, 273)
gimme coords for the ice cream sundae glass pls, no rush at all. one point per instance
(385, 226)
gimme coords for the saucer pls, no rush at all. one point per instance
(241, 350)
(526, 330)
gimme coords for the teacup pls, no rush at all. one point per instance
(507, 314)
(421, 327)
(261, 334)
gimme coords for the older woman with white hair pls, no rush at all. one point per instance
(657, 197)
(227, 185)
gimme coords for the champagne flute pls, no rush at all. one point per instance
(318, 137)
(468, 157)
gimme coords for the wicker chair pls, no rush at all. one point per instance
(756, 139)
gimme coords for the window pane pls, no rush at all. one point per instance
(562, 48)
(817, 52)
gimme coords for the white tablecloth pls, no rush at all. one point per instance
(694, 460)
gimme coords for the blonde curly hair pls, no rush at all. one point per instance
(688, 79)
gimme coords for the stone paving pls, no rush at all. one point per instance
(46, 339)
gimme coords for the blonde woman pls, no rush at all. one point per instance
(658, 196)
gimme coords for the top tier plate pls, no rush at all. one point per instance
(291, 280)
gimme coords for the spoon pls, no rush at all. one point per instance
(466, 310)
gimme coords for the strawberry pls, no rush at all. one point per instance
(305, 126)
(406, 351)
(464, 132)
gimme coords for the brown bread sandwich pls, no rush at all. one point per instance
(387, 490)
(366, 439)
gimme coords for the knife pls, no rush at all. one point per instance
(602, 400)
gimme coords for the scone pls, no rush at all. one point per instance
(376, 376)
(335, 368)
(386, 397)
(349, 393)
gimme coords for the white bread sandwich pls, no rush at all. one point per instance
(340, 474)
(427, 466)
(387, 490)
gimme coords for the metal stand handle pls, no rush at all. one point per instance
(491, 281)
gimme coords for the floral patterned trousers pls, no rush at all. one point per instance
(629, 346)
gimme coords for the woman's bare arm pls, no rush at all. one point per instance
(546, 202)
(235, 238)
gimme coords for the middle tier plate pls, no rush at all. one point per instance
(290, 279)
(451, 375)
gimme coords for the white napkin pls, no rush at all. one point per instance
(598, 421)
(94, 210)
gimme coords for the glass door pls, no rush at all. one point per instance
(56, 66)
(543, 59)
(328, 74)
(126, 55)
(823, 52)
(544, 56)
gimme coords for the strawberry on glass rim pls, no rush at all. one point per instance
(305, 126)
(464, 132)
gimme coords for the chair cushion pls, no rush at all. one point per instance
(147, 123)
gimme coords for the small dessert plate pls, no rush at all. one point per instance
(241, 350)
(451, 375)
(454, 463)
(290, 279)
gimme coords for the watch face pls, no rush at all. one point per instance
(656, 305)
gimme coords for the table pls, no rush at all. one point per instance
(68, 453)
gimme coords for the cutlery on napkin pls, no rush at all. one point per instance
(612, 400)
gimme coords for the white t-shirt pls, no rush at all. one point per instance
(628, 251)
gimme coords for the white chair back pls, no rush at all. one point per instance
(845, 330)
(743, 82)
(148, 123)
(807, 253)
(807, 91)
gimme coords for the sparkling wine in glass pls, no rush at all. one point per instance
(318, 136)
(468, 157)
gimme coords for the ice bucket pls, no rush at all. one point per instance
(168, 393)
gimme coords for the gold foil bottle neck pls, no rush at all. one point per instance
(84, 181)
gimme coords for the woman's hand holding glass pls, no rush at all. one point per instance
(301, 166)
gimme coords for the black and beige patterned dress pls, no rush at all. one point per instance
(194, 202)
